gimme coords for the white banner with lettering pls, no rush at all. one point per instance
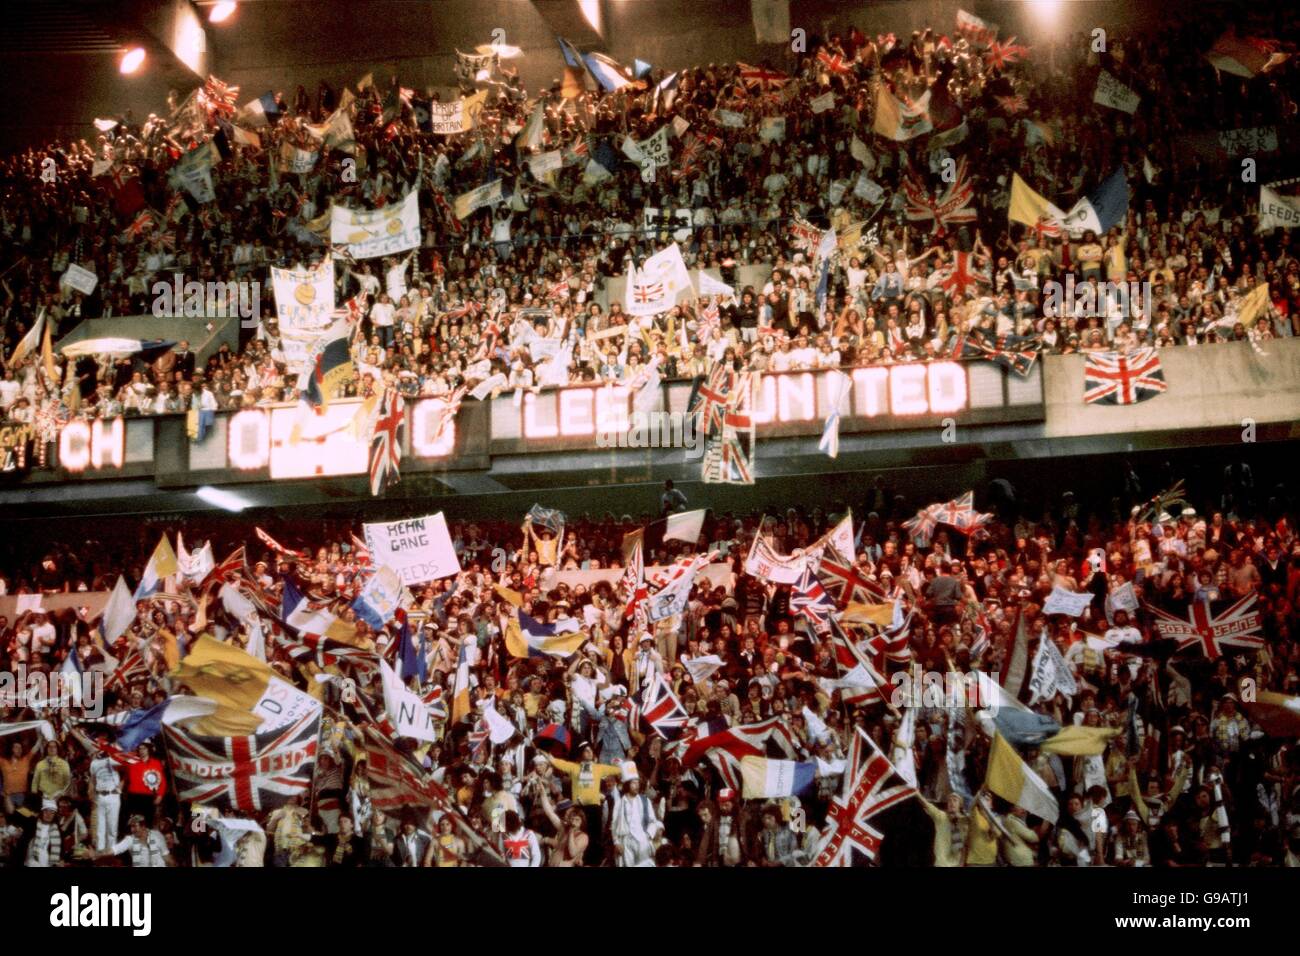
(304, 298)
(365, 234)
(1061, 601)
(1275, 210)
(418, 549)
(83, 280)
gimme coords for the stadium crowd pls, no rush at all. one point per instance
(1192, 774)
(556, 243)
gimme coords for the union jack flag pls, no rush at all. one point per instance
(256, 772)
(1001, 55)
(433, 700)
(1114, 378)
(1013, 104)
(949, 208)
(872, 786)
(846, 583)
(560, 290)
(756, 77)
(323, 651)
(142, 224)
(710, 402)
(892, 643)
(130, 669)
(386, 442)
(836, 63)
(921, 528)
(860, 680)
(809, 599)
(647, 293)
(217, 98)
(959, 277)
(659, 707)
(1236, 626)
(747, 740)
(1015, 353)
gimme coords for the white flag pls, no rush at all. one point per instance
(407, 711)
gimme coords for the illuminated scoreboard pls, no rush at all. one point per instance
(881, 398)
(287, 442)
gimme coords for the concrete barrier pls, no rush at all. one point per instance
(1209, 386)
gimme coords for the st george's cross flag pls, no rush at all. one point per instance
(1237, 625)
(1122, 378)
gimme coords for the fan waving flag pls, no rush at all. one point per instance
(659, 707)
(1104, 207)
(810, 600)
(873, 786)
(386, 442)
(949, 208)
(1115, 378)
(1237, 625)
(252, 773)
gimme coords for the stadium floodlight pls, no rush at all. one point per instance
(221, 12)
(226, 500)
(131, 60)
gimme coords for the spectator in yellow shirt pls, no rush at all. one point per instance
(15, 771)
(53, 777)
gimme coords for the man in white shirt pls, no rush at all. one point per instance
(381, 318)
(107, 786)
(147, 847)
(634, 824)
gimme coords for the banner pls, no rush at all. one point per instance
(410, 715)
(1111, 92)
(1275, 211)
(304, 298)
(418, 549)
(544, 163)
(380, 598)
(765, 564)
(979, 31)
(295, 160)
(656, 148)
(823, 103)
(193, 173)
(83, 280)
(456, 117)
(656, 222)
(731, 119)
(366, 234)
(1061, 601)
(489, 194)
(1050, 673)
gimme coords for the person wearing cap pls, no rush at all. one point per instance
(1130, 846)
(45, 847)
(646, 664)
(634, 823)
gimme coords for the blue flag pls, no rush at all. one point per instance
(141, 726)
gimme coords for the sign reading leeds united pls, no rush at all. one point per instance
(419, 549)
(365, 234)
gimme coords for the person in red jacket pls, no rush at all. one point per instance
(146, 782)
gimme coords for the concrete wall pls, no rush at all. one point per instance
(1210, 386)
